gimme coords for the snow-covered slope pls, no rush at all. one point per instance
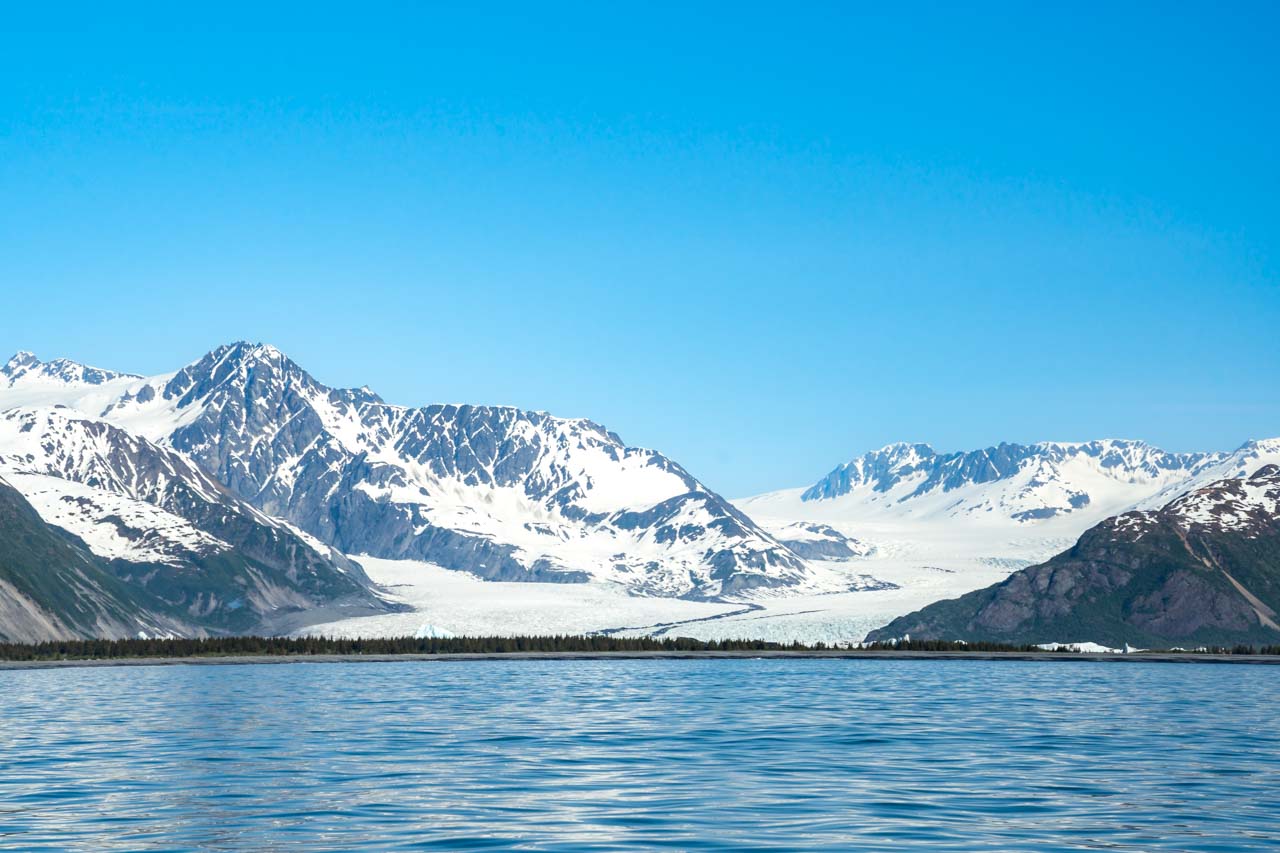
(27, 381)
(53, 587)
(1247, 505)
(500, 492)
(944, 524)
(1202, 570)
(1009, 482)
(113, 525)
(167, 526)
(1050, 486)
(1238, 464)
(816, 541)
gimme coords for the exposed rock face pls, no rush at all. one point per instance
(1203, 570)
(1024, 483)
(159, 522)
(52, 587)
(500, 492)
(25, 369)
(503, 493)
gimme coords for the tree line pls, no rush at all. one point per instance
(271, 646)
(102, 649)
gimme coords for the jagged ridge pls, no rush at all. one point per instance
(501, 492)
(1202, 570)
(162, 523)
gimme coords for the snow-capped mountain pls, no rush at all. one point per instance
(53, 587)
(1203, 569)
(1246, 505)
(26, 372)
(160, 522)
(1022, 483)
(1239, 463)
(499, 492)
(262, 452)
(1049, 485)
(943, 524)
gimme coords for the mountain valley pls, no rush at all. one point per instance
(239, 493)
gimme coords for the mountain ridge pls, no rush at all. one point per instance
(53, 587)
(511, 494)
(157, 518)
(1202, 570)
(501, 492)
(1009, 482)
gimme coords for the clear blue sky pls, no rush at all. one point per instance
(761, 238)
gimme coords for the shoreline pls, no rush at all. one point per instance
(831, 654)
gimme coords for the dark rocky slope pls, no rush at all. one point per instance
(181, 542)
(1203, 570)
(52, 587)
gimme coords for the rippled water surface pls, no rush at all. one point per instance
(610, 755)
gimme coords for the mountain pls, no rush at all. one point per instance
(1250, 456)
(158, 522)
(500, 492)
(940, 525)
(53, 587)
(1007, 482)
(27, 381)
(1010, 502)
(26, 372)
(1202, 570)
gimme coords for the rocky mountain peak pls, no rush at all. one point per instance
(236, 363)
(1248, 505)
(1016, 482)
(880, 469)
(1264, 451)
(20, 360)
(501, 492)
(25, 368)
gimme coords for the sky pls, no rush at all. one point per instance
(760, 238)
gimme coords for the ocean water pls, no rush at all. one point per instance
(641, 755)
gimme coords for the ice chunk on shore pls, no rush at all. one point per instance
(1094, 648)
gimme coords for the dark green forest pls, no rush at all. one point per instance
(302, 646)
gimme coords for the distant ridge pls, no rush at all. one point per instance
(1010, 482)
(1202, 570)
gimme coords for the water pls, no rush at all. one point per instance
(627, 755)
